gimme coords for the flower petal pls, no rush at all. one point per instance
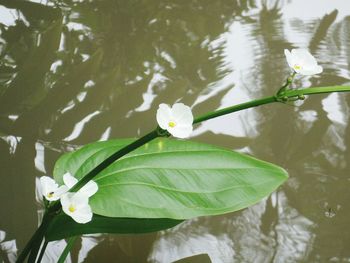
(311, 71)
(182, 114)
(302, 62)
(49, 188)
(82, 212)
(80, 199)
(288, 57)
(61, 190)
(181, 132)
(66, 201)
(89, 189)
(48, 185)
(83, 215)
(69, 180)
(38, 192)
(164, 115)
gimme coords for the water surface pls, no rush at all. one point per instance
(74, 72)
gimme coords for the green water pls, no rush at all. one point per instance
(73, 72)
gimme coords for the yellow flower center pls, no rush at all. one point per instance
(71, 208)
(172, 124)
(297, 67)
(49, 195)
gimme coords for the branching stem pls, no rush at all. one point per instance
(284, 94)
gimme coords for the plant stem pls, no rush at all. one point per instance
(287, 84)
(281, 96)
(42, 251)
(287, 94)
(36, 239)
(111, 159)
(67, 249)
(234, 108)
(318, 90)
(154, 134)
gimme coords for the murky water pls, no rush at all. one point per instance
(73, 72)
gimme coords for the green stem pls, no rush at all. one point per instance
(318, 90)
(288, 94)
(67, 249)
(35, 242)
(281, 96)
(234, 108)
(287, 84)
(42, 251)
(111, 159)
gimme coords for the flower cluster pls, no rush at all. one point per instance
(76, 205)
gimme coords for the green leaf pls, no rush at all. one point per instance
(172, 179)
(63, 226)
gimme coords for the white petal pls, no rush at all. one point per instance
(311, 71)
(49, 188)
(288, 57)
(164, 115)
(318, 69)
(303, 55)
(52, 198)
(66, 201)
(182, 114)
(69, 180)
(48, 185)
(79, 201)
(55, 195)
(83, 214)
(181, 131)
(89, 189)
(38, 191)
(307, 64)
(61, 190)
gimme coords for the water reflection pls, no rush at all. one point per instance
(72, 72)
(271, 231)
(8, 249)
(188, 240)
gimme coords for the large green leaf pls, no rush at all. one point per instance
(63, 226)
(172, 179)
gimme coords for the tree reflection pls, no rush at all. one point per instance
(145, 51)
(80, 70)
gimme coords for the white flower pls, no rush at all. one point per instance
(50, 189)
(76, 205)
(177, 120)
(302, 62)
(89, 189)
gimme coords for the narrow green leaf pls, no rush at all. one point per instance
(63, 226)
(172, 179)
(67, 249)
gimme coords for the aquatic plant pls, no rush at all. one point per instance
(154, 182)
